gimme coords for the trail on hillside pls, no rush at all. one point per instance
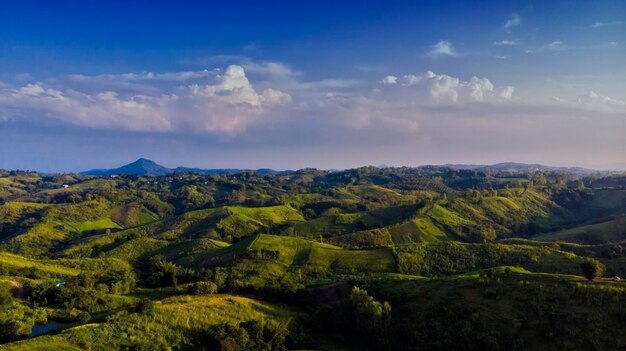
(19, 293)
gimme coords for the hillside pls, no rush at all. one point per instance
(312, 259)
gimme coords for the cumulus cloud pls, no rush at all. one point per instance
(442, 48)
(230, 104)
(270, 110)
(281, 76)
(430, 87)
(389, 80)
(514, 21)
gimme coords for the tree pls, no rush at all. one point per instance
(592, 268)
(163, 272)
(84, 317)
(370, 313)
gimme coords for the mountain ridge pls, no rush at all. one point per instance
(146, 167)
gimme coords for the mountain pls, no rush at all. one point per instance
(150, 168)
(520, 167)
(140, 167)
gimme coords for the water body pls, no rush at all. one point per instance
(42, 329)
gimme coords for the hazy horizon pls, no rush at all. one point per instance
(289, 85)
(117, 165)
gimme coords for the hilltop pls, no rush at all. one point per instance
(515, 167)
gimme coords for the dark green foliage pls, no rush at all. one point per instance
(372, 318)
(508, 313)
(166, 273)
(592, 268)
(454, 257)
(6, 297)
(252, 335)
(84, 317)
(144, 307)
(263, 254)
(203, 288)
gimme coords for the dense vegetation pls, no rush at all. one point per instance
(368, 258)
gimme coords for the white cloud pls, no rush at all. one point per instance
(274, 70)
(555, 44)
(230, 104)
(389, 80)
(506, 92)
(606, 24)
(430, 87)
(442, 48)
(146, 76)
(594, 98)
(245, 109)
(506, 43)
(514, 21)
(275, 97)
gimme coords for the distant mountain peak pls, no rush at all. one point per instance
(142, 166)
(146, 167)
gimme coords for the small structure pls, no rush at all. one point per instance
(617, 279)
(59, 284)
(65, 186)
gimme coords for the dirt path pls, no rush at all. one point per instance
(19, 293)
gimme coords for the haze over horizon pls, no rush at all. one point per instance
(290, 85)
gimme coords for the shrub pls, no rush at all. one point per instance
(204, 288)
(145, 307)
(84, 317)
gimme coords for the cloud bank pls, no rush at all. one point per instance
(279, 108)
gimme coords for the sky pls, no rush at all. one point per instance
(325, 84)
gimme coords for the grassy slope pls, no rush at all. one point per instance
(142, 248)
(610, 231)
(173, 319)
(48, 266)
(421, 229)
(58, 223)
(455, 257)
(300, 252)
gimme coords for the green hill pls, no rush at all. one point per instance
(611, 231)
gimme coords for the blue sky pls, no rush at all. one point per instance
(323, 84)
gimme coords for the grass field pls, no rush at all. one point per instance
(417, 230)
(612, 231)
(48, 266)
(172, 320)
